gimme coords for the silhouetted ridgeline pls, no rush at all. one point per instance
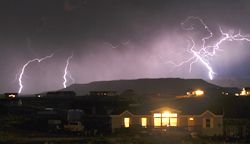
(231, 82)
(165, 86)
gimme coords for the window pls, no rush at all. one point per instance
(165, 119)
(157, 119)
(157, 115)
(169, 119)
(208, 125)
(126, 122)
(173, 121)
(144, 122)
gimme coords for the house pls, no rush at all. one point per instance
(197, 92)
(74, 121)
(60, 94)
(11, 95)
(102, 93)
(206, 123)
(49, 119)
(230, 91)
(245, 92)
(10, 99)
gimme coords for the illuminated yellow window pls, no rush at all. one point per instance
(165, 121)
(126, 122)
(157, 122)
(157, 119)
(144, 122)
(157, 114)
(173, 121)
(165, 114)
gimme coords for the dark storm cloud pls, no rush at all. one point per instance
(112, 39)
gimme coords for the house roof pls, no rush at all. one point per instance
(199, 111)
(184, 110)
(138, 110)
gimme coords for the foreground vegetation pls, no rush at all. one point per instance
(29, 137)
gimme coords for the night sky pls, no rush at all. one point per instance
(115, 39)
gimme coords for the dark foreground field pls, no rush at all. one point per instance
(114, 139)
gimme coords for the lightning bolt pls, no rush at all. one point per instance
(204, 53)
(67, 72)
(25, 66)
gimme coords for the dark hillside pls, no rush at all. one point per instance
(165, 87)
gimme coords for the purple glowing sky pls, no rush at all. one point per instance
(114, 39)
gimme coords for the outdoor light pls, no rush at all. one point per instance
(12, 96)
(243, 92)
(199, 92)
(191, 118)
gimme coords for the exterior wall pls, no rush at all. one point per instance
(118, 120)
(135, 120)
(185, 123)
(216, 127)
(198, 125)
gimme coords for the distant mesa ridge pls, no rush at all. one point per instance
(162, 86)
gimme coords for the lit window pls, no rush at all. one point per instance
(144, 122)
(173, 121)
(157, 114)
(165, 119)
(157, 119)
(157, 122)
(126, 122)
(165, 114)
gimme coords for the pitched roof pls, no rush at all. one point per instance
(185, 110)
(138, 110)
